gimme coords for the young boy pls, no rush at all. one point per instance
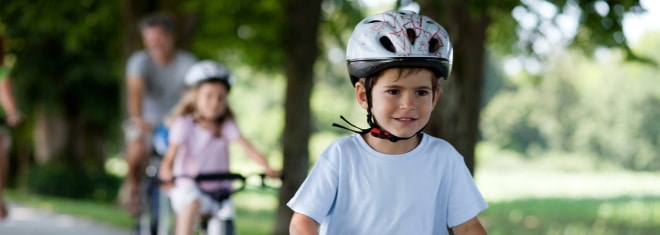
(392, 178)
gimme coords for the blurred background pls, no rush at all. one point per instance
(553, 103)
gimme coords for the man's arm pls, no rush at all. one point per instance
(303, 225)
(471, 227)
(135, 89)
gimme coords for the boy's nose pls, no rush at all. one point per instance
(408, 102)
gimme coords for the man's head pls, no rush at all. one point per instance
(158, 36)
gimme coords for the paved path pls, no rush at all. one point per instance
(28, 221)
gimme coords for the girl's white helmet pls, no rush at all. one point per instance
(398, 39)
(208, 70)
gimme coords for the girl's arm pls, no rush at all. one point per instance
(257, 157)
(471, 227)
(165, 172)
(303, 225)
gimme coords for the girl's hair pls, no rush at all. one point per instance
(186, 105)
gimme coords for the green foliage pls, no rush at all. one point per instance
(65, 64)
(502, 32)
(246, 32)
(539, 27)
(59, 60)
(604, 108)
(73, 182)
(604, 27)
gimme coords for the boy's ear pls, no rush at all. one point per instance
(361, 94)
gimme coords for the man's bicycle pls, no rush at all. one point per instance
(154, 216)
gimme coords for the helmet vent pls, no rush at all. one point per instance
(374, 21)
(387, 44)
(434, 45)
(411, 35)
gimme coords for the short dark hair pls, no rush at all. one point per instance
(158, 19)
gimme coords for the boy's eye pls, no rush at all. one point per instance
(393, 92)
(422, 92)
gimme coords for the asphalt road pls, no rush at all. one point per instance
(29, 221)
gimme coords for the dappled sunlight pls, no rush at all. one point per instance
(568, 194)
(503, 176)
(574, 216)
(517, 184)
(255, 210)
(116, 166)
(22, 213)
(255, 201)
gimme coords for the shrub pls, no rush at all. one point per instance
(72, 182)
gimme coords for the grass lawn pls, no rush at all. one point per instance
(255, 209)
(102, 212)
(551, 195)
(623, 215)
(565, 194)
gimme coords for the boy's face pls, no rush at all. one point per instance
(402, 100)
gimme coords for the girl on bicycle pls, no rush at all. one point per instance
(201, 130)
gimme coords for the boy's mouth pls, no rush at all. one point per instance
(405, 119)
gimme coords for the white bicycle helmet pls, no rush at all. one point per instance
(208, 70)
(398, 39)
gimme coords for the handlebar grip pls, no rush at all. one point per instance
(219, 176)
(224, 176)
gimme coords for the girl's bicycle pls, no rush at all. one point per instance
(155, 217)
(223, 221)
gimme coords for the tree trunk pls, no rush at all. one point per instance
(49, 135)
(456, 118)
(301, 52)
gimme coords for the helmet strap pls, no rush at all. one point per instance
(375, 131)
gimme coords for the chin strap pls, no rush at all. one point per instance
(374, 130)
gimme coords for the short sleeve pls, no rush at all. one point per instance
(465, 200)
(178, 130)
(316, 195)
(137, 64)
(230, 130)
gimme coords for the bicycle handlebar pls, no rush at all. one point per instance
(223, 193)
(227, 177)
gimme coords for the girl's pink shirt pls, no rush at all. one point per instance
(200, 151)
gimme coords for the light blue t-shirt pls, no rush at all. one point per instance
(354, 189)
(163, 85)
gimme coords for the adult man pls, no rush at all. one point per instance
(154, 79)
